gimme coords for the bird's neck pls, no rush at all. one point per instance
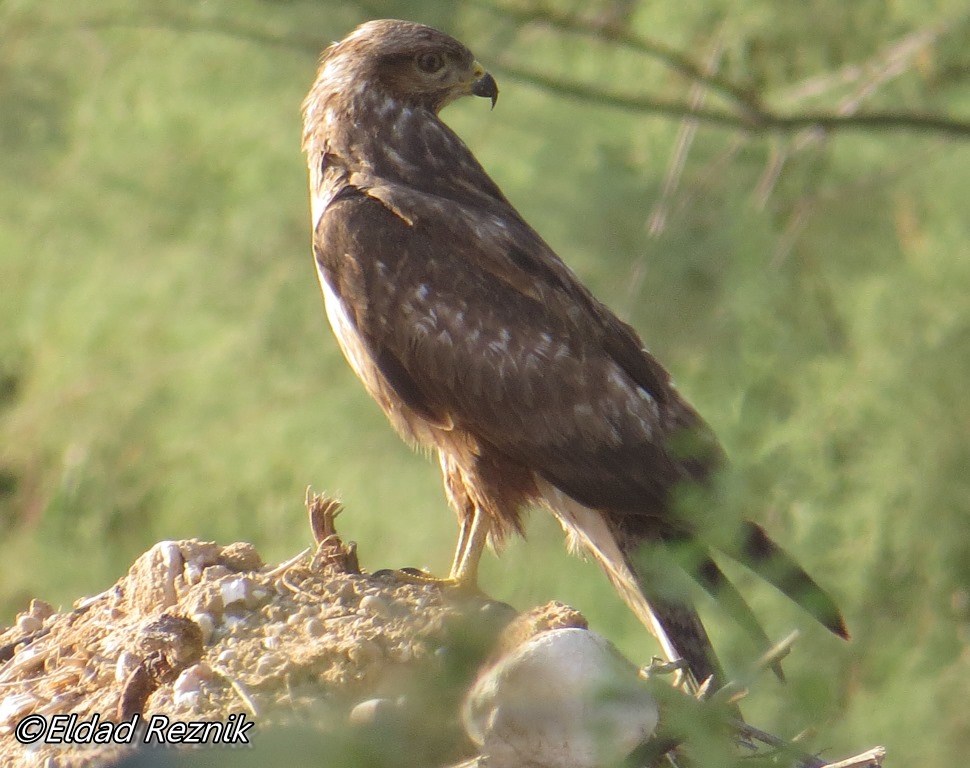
(364, 135)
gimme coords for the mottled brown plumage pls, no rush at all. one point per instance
(477, 341)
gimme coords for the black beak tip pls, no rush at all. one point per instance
(486, 87)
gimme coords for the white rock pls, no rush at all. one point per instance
(370, 712)
(237, 589)
(13, 705)
(126, 664)
(187, 688)
(565, 698)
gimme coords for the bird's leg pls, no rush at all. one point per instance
(472, 536)
(463, 531)
(471, 544)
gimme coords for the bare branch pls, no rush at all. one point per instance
(762, 122)
(750, 116)
(744, 97)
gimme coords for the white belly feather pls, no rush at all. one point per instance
(347, 336)
(586, 529)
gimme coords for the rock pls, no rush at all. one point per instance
(565, 698)
(371, 712)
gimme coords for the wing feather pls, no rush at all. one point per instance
(473, 318)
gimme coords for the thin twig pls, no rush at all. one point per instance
(685, 136)
(287, 564)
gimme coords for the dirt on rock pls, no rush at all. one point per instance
(201, 632)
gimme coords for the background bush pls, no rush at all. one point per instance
(166, 370)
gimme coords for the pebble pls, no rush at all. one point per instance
(28, 624)
(241, 556)
(371, 711)
(364, 652)
(345, 594)
(237, 590)
(215, 572)
(272, 643)
(40, 609)
(375, 605)
(15, 705)
(207, 624)
(269, 663)
(126, 664)
(192, 573)
(315, 628)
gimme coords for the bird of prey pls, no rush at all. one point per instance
(479, 343)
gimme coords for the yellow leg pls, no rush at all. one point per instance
(472, 537)
(463, 531)
(471, 544)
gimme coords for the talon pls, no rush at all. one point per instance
(658, 666)
(415, 572)
(410, 575)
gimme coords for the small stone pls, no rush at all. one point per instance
(346, 594)
(314, 627)
(272, 643)
(375, 605)
(371, 712)
(126, 664)
(28, 624)
(241, 556)
(40, 609)
(215, 572)
(192, 573)
(269, 663)
(207, 624)
(274, 613)
(274, 630)
(14, 705)
(227, 656)
(187, 689)
(563, 698)
(237, 591)
(364, 652)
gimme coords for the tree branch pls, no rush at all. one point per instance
(750, 117)
(761, 122)
(745, 98)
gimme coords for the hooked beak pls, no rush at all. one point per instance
(484, 84)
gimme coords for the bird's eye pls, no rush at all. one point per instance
(430, 62)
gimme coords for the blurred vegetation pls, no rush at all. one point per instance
(166, 370)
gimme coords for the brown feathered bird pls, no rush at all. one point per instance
(477, 341)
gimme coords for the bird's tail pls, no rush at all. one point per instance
(653, 587)
(753, 548)
(659, 596)
(658, 567)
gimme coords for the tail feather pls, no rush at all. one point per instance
(660, 596)
(712, 578)
(650, 582)
(758, 552)
(682, 625)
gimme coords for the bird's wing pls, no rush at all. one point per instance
(475, 323)
(473, 319)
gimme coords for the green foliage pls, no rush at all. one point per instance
(166, 370)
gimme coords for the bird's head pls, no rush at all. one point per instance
(411, 64)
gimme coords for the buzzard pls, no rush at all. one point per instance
(480, 344)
